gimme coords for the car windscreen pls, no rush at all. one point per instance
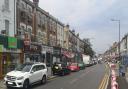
(24, 67)
(74, 64)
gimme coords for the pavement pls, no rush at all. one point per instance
(122, 84)
(2, 86)
(122, 81)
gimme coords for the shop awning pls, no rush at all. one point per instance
(68, 54)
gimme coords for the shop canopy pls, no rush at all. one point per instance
(68, 54)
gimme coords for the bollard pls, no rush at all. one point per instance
(113, 73)
(114, 85)
(113, 78)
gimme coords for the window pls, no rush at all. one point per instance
(23, 6)
(22, 28)
(29, 9)
(41, 67)
(34, 69)
(29, 30)
(7, 26)
(6, 4)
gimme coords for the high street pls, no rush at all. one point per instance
(90, 78)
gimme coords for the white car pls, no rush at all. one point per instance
(26, 74)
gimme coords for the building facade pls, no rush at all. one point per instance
(66, 37)
(30, 34)
(7, 17)
(10, 46)
(60, 34)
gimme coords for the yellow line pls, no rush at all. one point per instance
(105, 79)
(101, 84)
(105, 82)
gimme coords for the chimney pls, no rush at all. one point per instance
(67, 26)
(73, 31)
(36, 2)
(77, 35)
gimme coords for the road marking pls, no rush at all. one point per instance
(104, 82)
(107, 82)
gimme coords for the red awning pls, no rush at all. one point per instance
(68, 54)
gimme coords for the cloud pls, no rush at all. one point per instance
(73, 11)
(91, 18)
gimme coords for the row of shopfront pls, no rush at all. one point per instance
(15, 51)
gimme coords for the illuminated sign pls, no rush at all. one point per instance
(12, 42)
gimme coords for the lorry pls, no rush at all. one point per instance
(87, 60)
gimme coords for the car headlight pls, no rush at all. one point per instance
(20, 78)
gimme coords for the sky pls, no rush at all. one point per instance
(91, 19)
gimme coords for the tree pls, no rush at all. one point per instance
(88, 48)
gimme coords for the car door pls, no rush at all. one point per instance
(43, 70)
(40, 72)
(34, 77)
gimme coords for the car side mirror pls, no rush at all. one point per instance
(32, 72)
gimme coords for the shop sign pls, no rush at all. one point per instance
(57, 51)
(27, 42)
(26, 48)
(1, 48)
(47, 49)
(35, 48)
(12, 42)
(4, 41)
(27, 45)
(12, 50)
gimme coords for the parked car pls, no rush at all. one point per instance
(81, 65)
(74, 67)
(26, 74)
(60, 69)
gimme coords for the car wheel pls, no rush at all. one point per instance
(44, 80)
(26, 84)
(8, 87)
(63, 73)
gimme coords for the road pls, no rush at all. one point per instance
(90, 78)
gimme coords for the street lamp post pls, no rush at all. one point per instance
(119, 33)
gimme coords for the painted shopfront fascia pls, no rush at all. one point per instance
(12, 42)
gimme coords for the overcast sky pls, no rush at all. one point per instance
(91, 18)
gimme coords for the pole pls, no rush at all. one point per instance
(119, 39)
(14, 18)
(119, 36)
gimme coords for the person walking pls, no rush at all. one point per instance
(121, 69)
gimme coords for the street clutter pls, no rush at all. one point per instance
(114, 84)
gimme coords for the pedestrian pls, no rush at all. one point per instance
(121, 69)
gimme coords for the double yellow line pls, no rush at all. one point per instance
(105, 80)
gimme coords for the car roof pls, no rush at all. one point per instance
(35, 63)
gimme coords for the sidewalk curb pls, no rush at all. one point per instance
(51, 77)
